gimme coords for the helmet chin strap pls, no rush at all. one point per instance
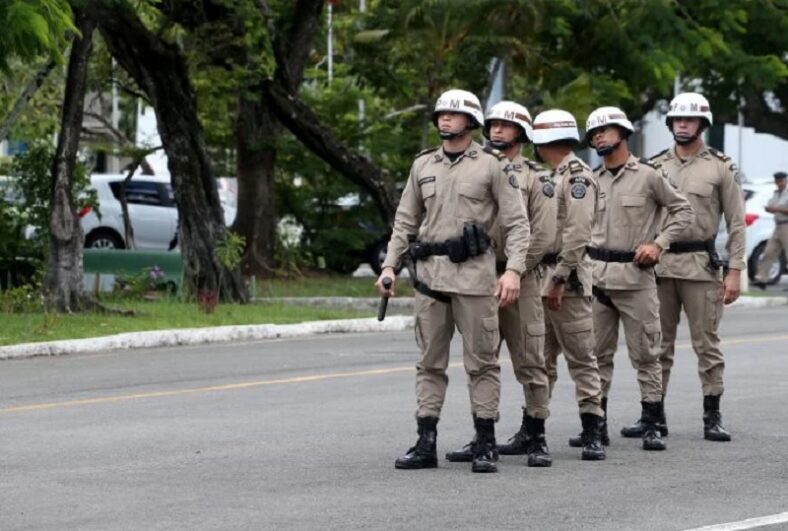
(607, 150)
(500, 145)
(684, 140)
(451, 135)
(538, 156)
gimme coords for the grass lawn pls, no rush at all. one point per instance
(34, 327)
(327, 286)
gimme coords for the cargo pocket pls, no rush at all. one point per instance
(652, 336)
(578, 336)
(489, 336)
(535, 329)
(714, 308)
(428, 192)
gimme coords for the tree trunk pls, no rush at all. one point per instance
(256, 131)
(159, 69)
(63, 278)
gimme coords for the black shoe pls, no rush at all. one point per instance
(536, 443)
(424, 453)
(577, 441)
(759, 284)
(592, 438)
(483, 447)
(712, 420)
(652, 439)
(516, 443)
(635, 430)
(463, 455)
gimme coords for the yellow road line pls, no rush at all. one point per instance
(297, 379)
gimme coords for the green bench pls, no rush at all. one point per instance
(130, 263)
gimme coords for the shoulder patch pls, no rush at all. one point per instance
(427, 151)
(578, 191)
(660, 154)
(513, 181)
(650, 163)
(575, 166)
(580, 179)
(719, 154)
(494, 152)
(545, 178)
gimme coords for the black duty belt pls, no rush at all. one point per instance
(691, 246)
(610, 255)
(550, 259)
(602, 297)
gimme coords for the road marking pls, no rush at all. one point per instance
(297, 379)
(750, 523)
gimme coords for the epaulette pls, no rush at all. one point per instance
(658, 155)
(650, 163)
(426, 151)
(575, 166)
(598, 168)
(494, 152)
(719, 154)
(533, 165)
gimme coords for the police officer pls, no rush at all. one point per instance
(633, 196)
(567, 290)
(507, 128)
(778, 243)
(690, 274)
(453, 195)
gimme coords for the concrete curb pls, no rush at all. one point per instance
(759, 302)
(197, 336)
(354, 302)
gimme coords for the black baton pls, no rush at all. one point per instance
(384, 300)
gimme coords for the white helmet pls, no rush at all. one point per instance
(554, 125)
(456, 100)
(511, 112)
(688, 105)
(606, 116)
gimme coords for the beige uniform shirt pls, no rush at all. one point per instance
(710, 181)
(629, 211)
(538, 194)
(576, 196)
(440, 197)
(779, 200)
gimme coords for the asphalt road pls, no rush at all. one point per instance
(303, 435)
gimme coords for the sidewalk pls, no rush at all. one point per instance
(197, 336)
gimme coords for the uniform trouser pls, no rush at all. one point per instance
(570, 330)
(702, 301)
(523, 329)
(638, 310)
(476, 317)
(777, 243)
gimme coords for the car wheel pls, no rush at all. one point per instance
(377, 256)
(103, 239)
(776, 269)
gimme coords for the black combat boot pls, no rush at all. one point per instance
(592, 437)
(536, 443)
(464, 454)
(712, 420)
(577, 441)
(635, 430)
(516, 443)
(484, 446)
(423, 454)
(651, 412)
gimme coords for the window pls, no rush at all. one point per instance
(138, 192)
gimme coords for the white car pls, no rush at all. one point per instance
(760, 226)
(152, 211)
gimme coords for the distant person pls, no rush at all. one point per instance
(778, 243)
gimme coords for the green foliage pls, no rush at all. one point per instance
(230, 250)
(32, 28)
(22, 299)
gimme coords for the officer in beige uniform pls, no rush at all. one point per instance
(453, 196)
(778, 243)
(633, 196)
(689, 274)
(507, 128)
(567, 289)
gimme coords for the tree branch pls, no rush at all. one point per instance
(21, 103)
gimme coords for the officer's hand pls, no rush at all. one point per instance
(555, 296)
(387, 272)
(508, 288)
(647, 254)
(731, 286)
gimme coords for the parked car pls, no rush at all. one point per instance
(152, 211)
(760, 226)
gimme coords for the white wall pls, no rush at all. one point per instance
(148, 136)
